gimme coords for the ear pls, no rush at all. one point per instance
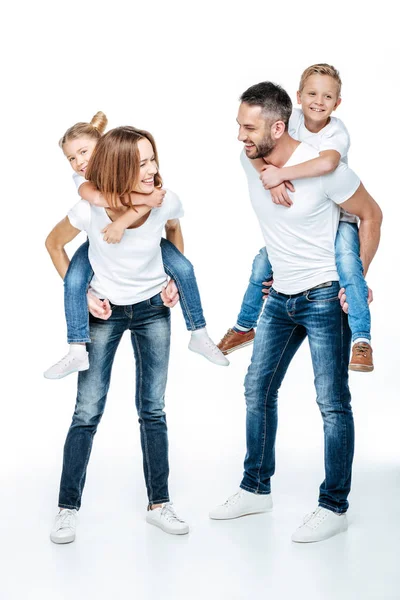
(298, 97)
(338, 101)
(278, 129)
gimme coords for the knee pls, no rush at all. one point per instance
(75, 281)
(184, 268)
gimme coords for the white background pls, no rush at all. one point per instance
(177, 69)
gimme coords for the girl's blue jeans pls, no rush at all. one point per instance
(350, 271)
(80, 273)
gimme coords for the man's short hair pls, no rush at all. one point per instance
(321, 69)
(274, 101)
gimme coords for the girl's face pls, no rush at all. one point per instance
(148, 167)
(78, 153)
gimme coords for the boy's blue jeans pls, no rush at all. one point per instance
(80, 273)
(149, 324)
(350, 271)
(285, 322)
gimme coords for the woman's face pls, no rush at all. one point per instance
(78, 153)
(148, 167)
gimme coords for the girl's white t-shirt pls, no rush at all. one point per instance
(131, 271)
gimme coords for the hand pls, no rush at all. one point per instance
(279, 194)
(343, 303)
(98, 308)
(267, 289)
(113, 233)
(169, 294)
(271, 177)
(156, 198)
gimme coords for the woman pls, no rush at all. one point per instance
(127, 293)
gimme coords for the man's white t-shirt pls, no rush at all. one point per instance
(300, 240)
(131, 271)
(334, 136)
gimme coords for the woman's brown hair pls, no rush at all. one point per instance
(114, 166)
(93, 130)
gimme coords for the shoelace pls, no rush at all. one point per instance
(169, 513)
(210, 344)
(232, 499)
(68, 358)
(228, 334)
(319, 516)
(64, 518)
(361, 350)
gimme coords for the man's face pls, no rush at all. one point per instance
(255, 131)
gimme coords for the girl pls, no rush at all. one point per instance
(78, 144)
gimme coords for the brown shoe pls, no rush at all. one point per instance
(233, 340)
(361, 358)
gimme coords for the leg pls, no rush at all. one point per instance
(277, 340)
(181, 270)
(150, 329)
(253, 301)
(92, 393)
(350, 270)
(76, 284)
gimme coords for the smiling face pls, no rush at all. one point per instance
(148, 167)
(78, 153)
(318, 98)
(255, 131)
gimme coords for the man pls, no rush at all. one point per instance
(303, 302)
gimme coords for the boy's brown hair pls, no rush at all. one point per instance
(321, 69)
(114, 166)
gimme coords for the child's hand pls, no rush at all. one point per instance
(279, 194)
(156, 198)
(271, 176)
(113, 233)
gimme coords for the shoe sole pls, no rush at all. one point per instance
(209, 359)
(225, 352)
(327, 537)
(361, 368)
(166, 530)
(247, 514)
(66, 540)
(61, 376)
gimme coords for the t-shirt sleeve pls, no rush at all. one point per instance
(175, 208)
(78, 180)
(336, 138)
(340, 185)
(294, 121)
(79, 215)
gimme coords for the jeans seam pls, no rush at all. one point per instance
(345, 454)
(85, 467)
(265, 405)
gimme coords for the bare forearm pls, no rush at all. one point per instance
(174, 235)
(131, 216)
(369, 234)
(311, 168)
(60, 259)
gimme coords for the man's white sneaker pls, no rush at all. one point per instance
(63, 531)
(71, 363)
(201, 343)
(242, 503)
(320, 525)
(166, 519)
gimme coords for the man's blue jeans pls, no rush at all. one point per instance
(149, 324)
(285, 322)
(80, 273)
(350, 271)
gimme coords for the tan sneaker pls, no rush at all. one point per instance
(233, 340)
(361, 358)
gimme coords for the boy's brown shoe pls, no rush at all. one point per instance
(361, 358)
(233, 340)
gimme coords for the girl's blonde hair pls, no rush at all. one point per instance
(321, 69)
(114, 166)
(94, 129)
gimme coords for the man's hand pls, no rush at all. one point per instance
(271, 176)
(279, 194)
(113, 233)
(343, 303)
(169, 294)
(156, 198)
(98, 308)
(266, 290)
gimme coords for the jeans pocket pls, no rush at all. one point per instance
(156, 301)
(325, 294)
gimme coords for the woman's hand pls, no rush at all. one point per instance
(343, 303)
(113, 233)
(98, 308)
(169, 294)
(267, 289)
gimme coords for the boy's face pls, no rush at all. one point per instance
(319, 98)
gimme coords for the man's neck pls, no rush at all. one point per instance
(282, 151)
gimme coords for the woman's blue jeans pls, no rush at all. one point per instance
(285, 322)
(149, 324)
(80, 273)
(350, 271)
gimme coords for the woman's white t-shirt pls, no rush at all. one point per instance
(131, 271)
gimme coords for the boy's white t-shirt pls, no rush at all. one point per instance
(131, 271)
(334, 136)
(300, 241)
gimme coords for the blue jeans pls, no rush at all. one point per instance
(149, 324)
(80, 273)
(350, 271)
(285, 322)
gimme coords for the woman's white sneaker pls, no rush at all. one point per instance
(166, 519)
(70, 363)
(242, 503)
(320, 525)
(64, 527)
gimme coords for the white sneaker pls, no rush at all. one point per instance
(242, 503)
(71, 363)
(166, 519)
(320, 525)
(63, 531)
(203, 344)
